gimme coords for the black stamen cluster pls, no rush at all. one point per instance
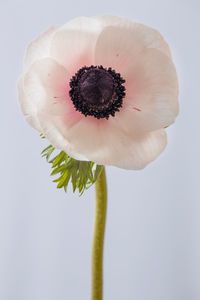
(97, 91)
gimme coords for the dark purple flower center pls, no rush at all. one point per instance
(97, 91)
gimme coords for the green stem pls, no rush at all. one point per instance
(98, 239)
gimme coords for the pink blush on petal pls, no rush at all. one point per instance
(79, 62)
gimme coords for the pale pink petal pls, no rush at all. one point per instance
(39, 48)
(55, 128)
(120, 43)
(149, 37)
(151, 93)
(104, 143)
(26, 108)
(142, 150)
(73, 44)
(45, 88)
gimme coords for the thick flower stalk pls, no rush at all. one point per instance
(98, 241)
(101, 90)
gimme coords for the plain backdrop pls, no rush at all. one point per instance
(152, 249)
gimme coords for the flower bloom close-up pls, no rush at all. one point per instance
(102, 89)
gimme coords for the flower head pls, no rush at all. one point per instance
(101, 89)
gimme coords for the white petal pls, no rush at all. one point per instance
(45, 87)
(143, 150)
(73, 44)
(121, 41)
(26, 108)
(148, 36)
(55, 129)
(39, 48)
(151, 93)
(104, 143)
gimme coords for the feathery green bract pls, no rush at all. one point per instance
(82, 174)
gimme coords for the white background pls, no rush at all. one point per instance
(152, 247)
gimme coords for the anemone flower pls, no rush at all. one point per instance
(101, 90)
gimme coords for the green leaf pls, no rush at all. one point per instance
(42, 136)
(64, 180)
(58, 169)
(81, 174)
(47, 152)
(58, 159)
